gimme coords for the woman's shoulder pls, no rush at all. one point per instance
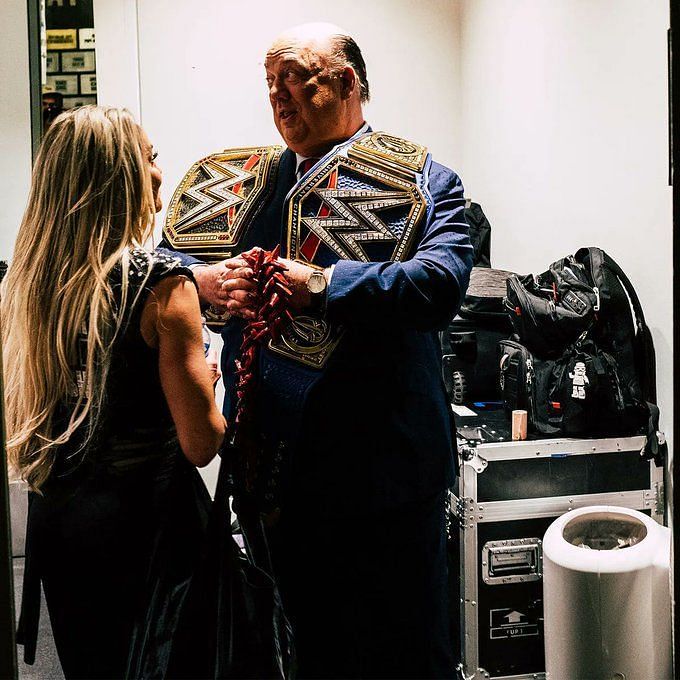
(148, 267)
(143, 270)
(168, 302)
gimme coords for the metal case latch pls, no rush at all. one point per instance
(516, 560)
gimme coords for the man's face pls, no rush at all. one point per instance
(50, 103)
(51, 108)
(306, 96)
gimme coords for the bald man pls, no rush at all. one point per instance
(357, 434)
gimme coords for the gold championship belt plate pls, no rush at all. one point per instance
(362, 203)
(215, 203)
(218, 198)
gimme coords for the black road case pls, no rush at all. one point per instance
(509, 493)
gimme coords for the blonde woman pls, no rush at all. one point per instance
(109, 401)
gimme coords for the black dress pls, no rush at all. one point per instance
(115, 535)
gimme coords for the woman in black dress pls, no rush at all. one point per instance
(109, 400)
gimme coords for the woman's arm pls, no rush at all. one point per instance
(171, 321)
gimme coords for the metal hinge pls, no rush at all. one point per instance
(656, 498)
(660, 498)
(468, 513)
(472, 458)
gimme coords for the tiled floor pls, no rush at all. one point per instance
(46, 666)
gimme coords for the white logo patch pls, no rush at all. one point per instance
(579, 380)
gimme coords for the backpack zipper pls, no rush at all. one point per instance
(591, 268)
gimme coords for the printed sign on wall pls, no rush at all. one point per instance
(86, 38)
(70, 102)
(62, 83)
(52, 62)
(88, 83)
(77, 61)
(61, 38)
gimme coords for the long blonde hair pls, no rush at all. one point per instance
(91, 200)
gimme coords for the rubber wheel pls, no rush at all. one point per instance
(458, 387)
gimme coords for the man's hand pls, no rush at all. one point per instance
(297, 275)
(227, 286)
(238, 287)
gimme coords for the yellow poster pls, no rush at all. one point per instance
(62, 39)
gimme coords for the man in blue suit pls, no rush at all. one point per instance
(364, 435)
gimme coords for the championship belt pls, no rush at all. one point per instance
(216, 201)
(364, 201)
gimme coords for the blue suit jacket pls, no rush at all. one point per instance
(377, 429)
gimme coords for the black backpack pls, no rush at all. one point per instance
(585, 309)
(469, 365)
(621, 329)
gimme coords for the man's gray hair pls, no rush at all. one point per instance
(349, 52)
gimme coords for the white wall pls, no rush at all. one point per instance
(15, 122)
(564, 127)
(117, 55)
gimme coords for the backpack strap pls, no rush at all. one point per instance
(656, 448)
(611, 264)
(643, 347)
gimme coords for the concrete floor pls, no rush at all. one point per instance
(46, 666)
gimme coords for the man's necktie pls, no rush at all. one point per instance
(311, 242)
(306, 166)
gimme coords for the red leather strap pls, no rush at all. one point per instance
(273, 315)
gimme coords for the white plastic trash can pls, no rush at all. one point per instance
(606, 596)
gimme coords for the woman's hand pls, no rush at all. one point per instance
(226, 285)
(213, 364)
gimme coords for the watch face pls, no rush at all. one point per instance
(316, 283)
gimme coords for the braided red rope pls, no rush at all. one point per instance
(273, 295)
